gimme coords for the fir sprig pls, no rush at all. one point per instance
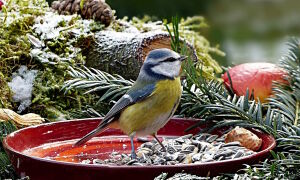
(6, 170)
(108, 87)
(175, 41)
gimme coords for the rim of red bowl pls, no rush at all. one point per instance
(6, 146)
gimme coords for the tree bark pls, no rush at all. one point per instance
(123, 53)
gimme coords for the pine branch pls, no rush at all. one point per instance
(6, 127)
(287, 96)
(175, 40)
(108, 87)
(6, 170)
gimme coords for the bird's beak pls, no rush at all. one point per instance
(182, 58)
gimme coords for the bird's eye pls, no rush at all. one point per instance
(170, 59)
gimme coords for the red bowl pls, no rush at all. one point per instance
(33, 152)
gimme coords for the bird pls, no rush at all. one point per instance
(151, 101)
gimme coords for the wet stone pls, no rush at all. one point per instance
(187, 149)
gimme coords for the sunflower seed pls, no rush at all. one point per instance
(221, 158)
(234, 143)
(196, 142)
(211, 138)
(145, 151)
(142, 139)
(138, 164)
(87, 161)
(202, 137)
(171, 149)
(238, 154)
(159, 161)
(180, 157)
(171, 157)
(226, 153)
(132, 161)
(179, 140)
(220, 139)
(188, 136)
(197, 157)
(172, 162)
(186, 149)
(147, 145)
(97, 161)
(187, 159)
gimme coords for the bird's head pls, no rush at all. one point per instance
(163, 64)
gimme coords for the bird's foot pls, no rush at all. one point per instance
(133, 155)
(160, 143)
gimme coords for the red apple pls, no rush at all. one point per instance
(257, 77)
(1, 4)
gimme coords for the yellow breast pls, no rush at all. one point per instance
(148, 116)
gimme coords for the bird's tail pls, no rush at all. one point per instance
(95, 132)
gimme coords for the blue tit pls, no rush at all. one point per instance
(150, 102)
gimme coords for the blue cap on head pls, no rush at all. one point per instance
(161, 54)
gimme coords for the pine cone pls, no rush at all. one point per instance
(92, 9)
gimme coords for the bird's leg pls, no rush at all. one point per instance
(163, 147)
(133, 155)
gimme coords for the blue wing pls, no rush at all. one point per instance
(135, 94)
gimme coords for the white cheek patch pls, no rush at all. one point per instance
(170, 69)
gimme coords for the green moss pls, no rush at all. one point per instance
(51, 61)
(5, 93)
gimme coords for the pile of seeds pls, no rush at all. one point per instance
(182, 150)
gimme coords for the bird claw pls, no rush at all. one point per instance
(133, 155)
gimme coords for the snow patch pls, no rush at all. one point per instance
(22, 85)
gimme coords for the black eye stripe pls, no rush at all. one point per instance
(170, 59)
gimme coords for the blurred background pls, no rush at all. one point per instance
(246, 30)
